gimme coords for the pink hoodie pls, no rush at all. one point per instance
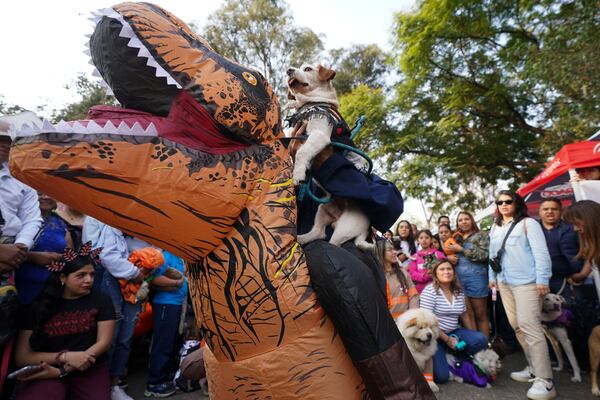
(417, 269)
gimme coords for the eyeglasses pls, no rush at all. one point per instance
(507, 202)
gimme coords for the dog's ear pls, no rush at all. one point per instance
(325, 74)
(411, 322)
(562, 299)
(290, 95)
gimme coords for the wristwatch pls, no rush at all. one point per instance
(63, 371)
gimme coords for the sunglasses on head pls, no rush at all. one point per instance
(507, 202)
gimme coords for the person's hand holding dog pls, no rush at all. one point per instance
(299, 130)
(543, 290)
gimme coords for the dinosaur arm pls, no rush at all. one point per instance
(379, 199)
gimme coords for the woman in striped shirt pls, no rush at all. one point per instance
(444, 297)
(401, 292)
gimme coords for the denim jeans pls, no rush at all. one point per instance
(127, 316)
(476, 341)
(165, 342)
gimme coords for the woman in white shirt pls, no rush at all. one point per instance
(444, 297)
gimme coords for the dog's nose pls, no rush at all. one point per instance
(290, 71)
(429, 335)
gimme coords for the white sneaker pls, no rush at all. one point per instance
(542, 389)
(525, 375)
(116, 393)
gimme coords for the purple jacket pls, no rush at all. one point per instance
(469, 373)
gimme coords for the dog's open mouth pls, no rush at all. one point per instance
(424, 342)
(293, 82)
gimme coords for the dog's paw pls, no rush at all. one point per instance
(576, 378)
(488, 386)
(303, 239)
(299, 176)
(596, 392)
(434, 388)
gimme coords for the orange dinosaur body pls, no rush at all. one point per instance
(197, 167)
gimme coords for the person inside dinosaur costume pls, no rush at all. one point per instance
(194, 163)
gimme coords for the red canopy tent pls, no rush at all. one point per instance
(554, 180)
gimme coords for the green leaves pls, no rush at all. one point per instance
(490, 89)
(91, 92)
(262, 34)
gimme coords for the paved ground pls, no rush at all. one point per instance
(503, 389)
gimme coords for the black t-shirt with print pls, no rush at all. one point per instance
(74, 326)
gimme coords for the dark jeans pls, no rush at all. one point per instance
(476, 341)
(165, 341)
(127, 316)
(91, 384)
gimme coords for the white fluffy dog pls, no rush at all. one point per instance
(315, 102)
(420, 330)
(554, 329)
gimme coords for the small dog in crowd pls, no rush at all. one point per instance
(315, 103)
(555, 318)
(480, 371)
(419, 328)
(594, 348)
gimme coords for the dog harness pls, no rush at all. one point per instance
(340, 132)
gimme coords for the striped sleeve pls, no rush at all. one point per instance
(427, 300)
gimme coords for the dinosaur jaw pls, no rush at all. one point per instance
(127, 33)
(146, 185)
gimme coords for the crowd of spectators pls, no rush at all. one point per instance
(535, 256)
(77, 325)
(62, 305)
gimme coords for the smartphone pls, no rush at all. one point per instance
(30, 369)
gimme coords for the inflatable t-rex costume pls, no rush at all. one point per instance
(194, 164)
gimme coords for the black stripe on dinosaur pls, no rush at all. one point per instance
(77, 176)
(123, 216)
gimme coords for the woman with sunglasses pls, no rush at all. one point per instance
(522, 272)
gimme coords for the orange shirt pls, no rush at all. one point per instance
(398, 298)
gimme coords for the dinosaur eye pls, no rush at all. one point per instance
(249, 78)
(306, 69)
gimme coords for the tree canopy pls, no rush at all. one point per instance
(489, 90)
(262, 34)
(92, 93)
(474, 93)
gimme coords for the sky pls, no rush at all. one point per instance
(43, 41)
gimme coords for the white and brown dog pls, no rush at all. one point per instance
(554, 319)
(315, 103)
(420, 329)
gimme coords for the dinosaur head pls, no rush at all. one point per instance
(196, 135)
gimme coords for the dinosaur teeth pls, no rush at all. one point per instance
(151, 130)
(79, 128)
(83, 128)
(63, 127)
(144, 52)
(109, 127)
(47, 126)
(93, 127)
(134, 42)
